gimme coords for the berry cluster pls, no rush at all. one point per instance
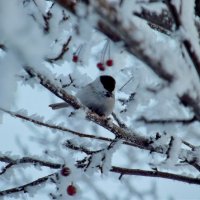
(109, 62)
(102, 64)
(71, 189)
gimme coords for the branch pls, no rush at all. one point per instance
(167, 121)
(11, 162)
(24, 188)
(119, 122)
(187, 100)
(165, 175)
(161, 22)
(60, 128)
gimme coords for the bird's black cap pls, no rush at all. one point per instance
(108, 82)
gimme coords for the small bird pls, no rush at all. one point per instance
(98, 96)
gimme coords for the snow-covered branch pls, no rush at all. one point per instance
(24, 188)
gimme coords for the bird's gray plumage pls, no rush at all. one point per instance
(98, 96)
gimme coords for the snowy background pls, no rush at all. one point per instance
(152, 70)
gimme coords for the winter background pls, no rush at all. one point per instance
(153, 71)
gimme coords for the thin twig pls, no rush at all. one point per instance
(165, 175)
(60, 128)
(64, 49)
(29, 160)
(167, 121)
(23, 188)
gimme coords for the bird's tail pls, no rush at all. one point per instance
(56, 106)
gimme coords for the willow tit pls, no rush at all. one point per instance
(98, 96)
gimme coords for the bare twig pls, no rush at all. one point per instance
(187, 100)
(64, 49)
(4, 169)
(72, 146)
(165, 175)
(29, 160)
(120, 123)
(60, 128)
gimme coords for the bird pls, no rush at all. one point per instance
(98, 96)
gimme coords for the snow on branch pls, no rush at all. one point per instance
(26, 160)
(58, 127)
(167, 121)
(64, 49)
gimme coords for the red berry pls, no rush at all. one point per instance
(109, 62)
(100, 66)
(65, 171)
(75, 58)
(71, 190)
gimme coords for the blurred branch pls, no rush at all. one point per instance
(186, 42)
(165, 175)
(64, 49)
(74, 147)
(26, 160)
(119, 122)
(167, 121)
(24, 188)
(197, 7)
(162, 22)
